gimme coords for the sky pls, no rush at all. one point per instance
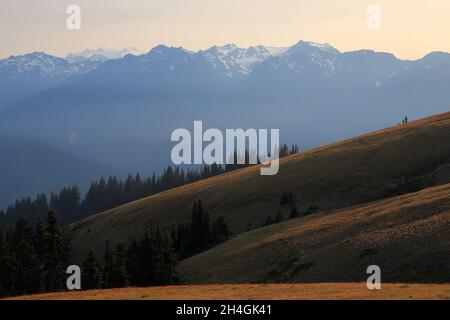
(408, 28)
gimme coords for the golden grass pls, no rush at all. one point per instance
(320, 291)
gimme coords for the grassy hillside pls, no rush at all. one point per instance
(385, 163)
(407, 236)
(322, 291)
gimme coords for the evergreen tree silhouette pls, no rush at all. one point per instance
(54, 271)
(120, 276)
(91, 273)
(108, 270)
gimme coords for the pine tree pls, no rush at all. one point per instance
(200, 227)
(120, 275)
(39, 240)
(151, 260)
(91, 273)
(24, 257)
(294, 213)
(39, 249)
(269, 221)
(108, 269)
(166, 258)
(5, 266)
(147, 261)
(278, 217)
(220, 230)
(133, 262)
(54, 255)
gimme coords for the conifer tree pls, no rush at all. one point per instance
(108, 269)
(120, 275)
(200, 227)
(269, 221)
(294, 212)
(24, 257)
(220, 230)
(5, 266)
(54, 255)
(278, 217)
(91, 273)
(133, 262)
(39, 240)
(147, 260)
(39, 243)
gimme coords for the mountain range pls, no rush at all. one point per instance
(120, 109)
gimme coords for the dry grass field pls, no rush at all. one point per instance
(381, 164)
(321, 291)
(407, 236)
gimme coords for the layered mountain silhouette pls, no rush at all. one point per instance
(30, 166)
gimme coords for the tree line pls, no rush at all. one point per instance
(148, 261)
(288, 210)
(102, 195)
(35, 260)
(105, 194)
(152, 259)
(200, 233)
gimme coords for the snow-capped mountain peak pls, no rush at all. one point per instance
(235, 61)
(36, 64)
(318, 55)
(100, 54)
(307, 47)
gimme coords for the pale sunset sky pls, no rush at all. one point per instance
(409, 28)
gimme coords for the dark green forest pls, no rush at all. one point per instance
(35, 260)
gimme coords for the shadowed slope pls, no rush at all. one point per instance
(407, 236)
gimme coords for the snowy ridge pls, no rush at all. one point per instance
(233, 61)
(41, 65)
(100, 54)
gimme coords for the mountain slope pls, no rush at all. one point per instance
(385, 163)
(406, 236)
